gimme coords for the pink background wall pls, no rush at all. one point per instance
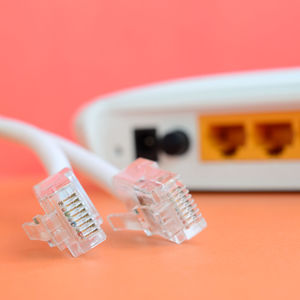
(57, 54)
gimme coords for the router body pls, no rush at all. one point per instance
(235, 132)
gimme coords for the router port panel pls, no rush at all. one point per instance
(258, 136)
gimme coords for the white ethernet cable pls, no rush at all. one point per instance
(98, 169)
(71, 220)
(157, 201)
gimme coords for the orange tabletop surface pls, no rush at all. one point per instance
(250, 250)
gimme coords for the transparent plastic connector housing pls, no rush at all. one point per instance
(157, 201)
(71, 220)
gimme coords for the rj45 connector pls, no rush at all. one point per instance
(71, 221)
(158, 203)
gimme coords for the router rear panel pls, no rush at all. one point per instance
(224, 172)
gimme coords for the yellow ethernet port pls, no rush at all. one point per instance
(228, 138)
(257, 136)
(274, 138)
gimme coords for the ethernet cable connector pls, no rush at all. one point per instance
(157, 201)
(71, 220)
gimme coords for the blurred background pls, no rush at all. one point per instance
(57, 55)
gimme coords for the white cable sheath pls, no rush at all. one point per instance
(53, 151)
(92, 165)
(48, 151)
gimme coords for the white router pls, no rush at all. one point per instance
(221, 133)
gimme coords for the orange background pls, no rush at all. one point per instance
(250, 251)
(57, 54)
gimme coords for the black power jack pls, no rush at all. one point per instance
(148, 144)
